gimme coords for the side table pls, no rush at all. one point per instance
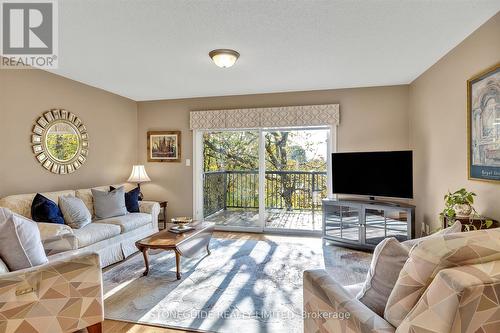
(163, 205)
(474, 221)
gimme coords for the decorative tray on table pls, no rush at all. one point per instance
(181, 225)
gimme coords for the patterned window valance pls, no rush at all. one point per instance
(286, 116)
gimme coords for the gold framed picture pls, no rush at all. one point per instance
(164, 146)
(483, 125)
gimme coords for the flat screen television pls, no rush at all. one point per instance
(382, 174)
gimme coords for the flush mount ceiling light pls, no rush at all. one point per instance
(224, 58)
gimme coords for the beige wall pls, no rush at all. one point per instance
(428, 116)
(371, 119)
(111, 121)
(438, 125)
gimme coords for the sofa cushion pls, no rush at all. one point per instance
(60, 243)
(86, 196)
(75, 213)
(95, 232)
(20, 242)
(388, 259)
(344, 313)
(45, 210)
(429, 257)
(21, 203)
(3, 267)
(109, 204)
(131, 199)
(128, 222)
(49, 230)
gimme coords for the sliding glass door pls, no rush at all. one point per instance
(262, 180)
(231, 179)
(295, 178)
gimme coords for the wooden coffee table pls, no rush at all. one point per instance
(187, 244)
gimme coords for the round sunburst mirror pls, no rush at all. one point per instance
(60, 141)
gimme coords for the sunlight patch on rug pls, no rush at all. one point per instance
(246, 285)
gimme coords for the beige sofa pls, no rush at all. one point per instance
(449, 284)
(113, 238)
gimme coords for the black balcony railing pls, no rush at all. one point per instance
(283, 190)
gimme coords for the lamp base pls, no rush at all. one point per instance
(141, 196)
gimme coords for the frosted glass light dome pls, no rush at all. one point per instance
(224, 58)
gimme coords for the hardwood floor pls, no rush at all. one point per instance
(261, 236)
(113, 326)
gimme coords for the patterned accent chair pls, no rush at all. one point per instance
(450, 283)
(64, 295)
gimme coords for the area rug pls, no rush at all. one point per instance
(245, 285)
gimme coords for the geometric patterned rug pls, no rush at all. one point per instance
(245, 285)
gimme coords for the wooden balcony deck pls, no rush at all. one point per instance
(305, 220)
(276, 218)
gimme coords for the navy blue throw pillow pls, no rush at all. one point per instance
(45, 210)
(131, 199)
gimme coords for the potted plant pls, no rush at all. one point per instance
(460, 204)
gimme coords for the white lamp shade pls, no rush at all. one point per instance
(138, 175)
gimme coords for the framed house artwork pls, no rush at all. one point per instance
(164, 146)
(483, 125)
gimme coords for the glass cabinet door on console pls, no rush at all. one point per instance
(350, 223)
(397, 225)
(382, 223)
(333, 220)
(343, 221)
(364, 224)
(374, 226)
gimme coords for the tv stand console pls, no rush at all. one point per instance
(362, 224)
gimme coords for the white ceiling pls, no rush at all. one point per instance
(158, 49)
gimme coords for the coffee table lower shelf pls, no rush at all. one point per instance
(187, 244)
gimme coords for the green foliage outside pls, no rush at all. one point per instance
(285, 151)
(62, 146)
(292, 151)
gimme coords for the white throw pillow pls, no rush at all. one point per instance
(74, 211)
(109, 203)
(20, 242)
(388, 259)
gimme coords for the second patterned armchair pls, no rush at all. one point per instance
(449, 284)
(64, 295)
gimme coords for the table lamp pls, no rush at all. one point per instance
(139, 176)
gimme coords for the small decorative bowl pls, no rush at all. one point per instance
(182, 221)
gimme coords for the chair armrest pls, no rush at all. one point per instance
(57, 238)
(431, 256)
(459, 299)
(49, 230)
(69, 288)
(328, 307)
(150, 207)
(60, 243)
